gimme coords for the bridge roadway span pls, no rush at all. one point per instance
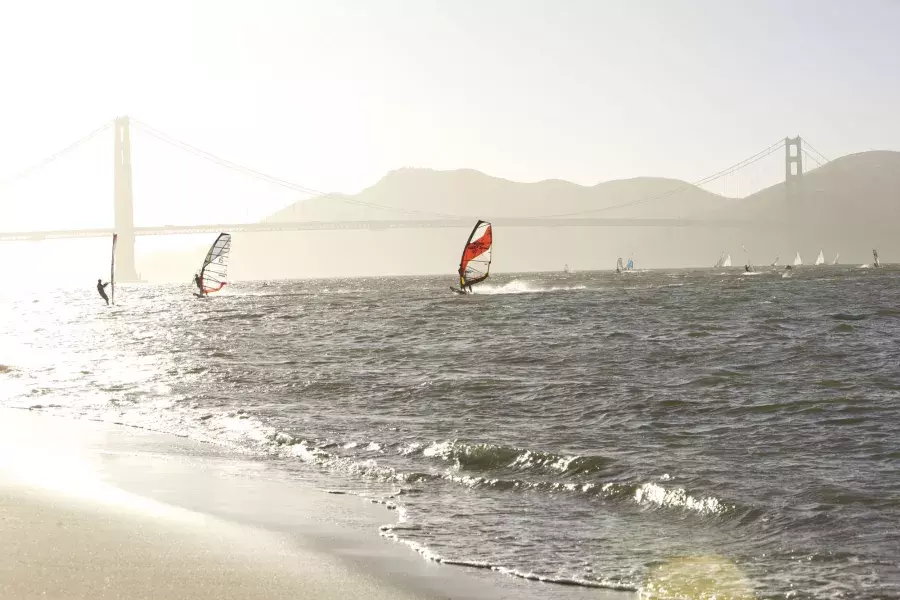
(363, 225)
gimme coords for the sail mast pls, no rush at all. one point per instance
(112, 270)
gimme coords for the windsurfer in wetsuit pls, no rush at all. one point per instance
(100, 289)
(198, 282)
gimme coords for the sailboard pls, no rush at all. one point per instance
(876, 263)
(214, 271)
(836, 258)
(797, 260)
(475, 264)
(820, 260)
(727, 262)
(112, 271)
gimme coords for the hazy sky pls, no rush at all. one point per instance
(332, 94)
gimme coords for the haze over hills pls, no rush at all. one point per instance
(849, 206)
(426, 193)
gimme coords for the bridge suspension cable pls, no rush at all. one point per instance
(28, 170)
(168, 139)
(709, 179)
(806, 144)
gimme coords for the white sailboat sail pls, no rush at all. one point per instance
(797, 260)
(876, 262)
(619, 266)
(215, 265)
(820, 260)
(112, 271)
(775, 262)
(836, 257)
(720, 262)
(727, 262)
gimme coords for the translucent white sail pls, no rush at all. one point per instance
(876, 262)
(820, 260)
(797, 260)
(836, 257)
(775, 262)
(720, 262)
(727, 262)
(619, 266)
(215, 266)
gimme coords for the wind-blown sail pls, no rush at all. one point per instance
(630, 265)
(112, 270)
(619, 266)
(727, 262)
(775, 262)
(215, 266)
(475, 264)
(836, 257)
(820, 260)
(720, 262)
(797, 260)
(877, 263)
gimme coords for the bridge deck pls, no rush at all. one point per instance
(361, 225)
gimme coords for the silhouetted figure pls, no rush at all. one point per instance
(199, 283)
(101, 290)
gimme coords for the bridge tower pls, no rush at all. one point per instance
(123, 202)
(793, 168)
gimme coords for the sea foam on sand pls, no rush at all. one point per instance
(93, 510)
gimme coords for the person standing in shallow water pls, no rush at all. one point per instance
(101, 289)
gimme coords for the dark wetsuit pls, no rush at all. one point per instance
(101, 290)
(199, 283)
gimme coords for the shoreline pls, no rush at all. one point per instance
(102, 510)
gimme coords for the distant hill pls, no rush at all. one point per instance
(861, 189)
(425, 193)
(849, 206)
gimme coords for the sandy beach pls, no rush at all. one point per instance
(95, 510)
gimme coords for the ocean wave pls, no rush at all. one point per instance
(488, 457)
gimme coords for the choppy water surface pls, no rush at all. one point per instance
(590, 428)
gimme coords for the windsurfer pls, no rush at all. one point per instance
(100, 289)
(199, 283)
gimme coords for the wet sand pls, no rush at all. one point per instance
(94, 510)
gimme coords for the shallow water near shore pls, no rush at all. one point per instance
(590, 429)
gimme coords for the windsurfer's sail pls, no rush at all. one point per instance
(727, 262)
(630, 265)
(775, 262)
(475, 264)
(820, 260)
(720, 262)
(215, 266)
(797, 260)
(877, 263)
(836, 257)
(112, 270)
(619, 266)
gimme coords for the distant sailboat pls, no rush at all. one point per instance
(630, 265)
(727, 262)
(820, 260)
(619, 266)
(836, 257)
(566, 268)
(720, 262)
(797, 260)
(775, 262)
(877, 263)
